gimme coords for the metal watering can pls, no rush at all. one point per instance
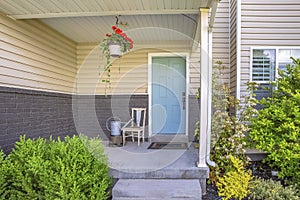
(113, 124)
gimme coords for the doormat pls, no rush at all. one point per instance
(168, 145)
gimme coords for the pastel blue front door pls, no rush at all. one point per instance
(168, 95)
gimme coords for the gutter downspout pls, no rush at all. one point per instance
(214, 6)
(208, 139)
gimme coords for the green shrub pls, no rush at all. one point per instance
(235, 183)
(2, 156)
(276, 130)
(229, 130)
(272, 190)
(2, 174)
(72, 169)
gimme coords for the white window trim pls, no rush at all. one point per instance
(276, 60)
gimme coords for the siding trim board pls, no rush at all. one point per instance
(18, 90)
(34, 89)
(238, 47)
(232, 46)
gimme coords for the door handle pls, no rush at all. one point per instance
(183, 100)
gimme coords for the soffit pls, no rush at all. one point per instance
(87, 21)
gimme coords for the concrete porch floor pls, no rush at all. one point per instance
(133, 162)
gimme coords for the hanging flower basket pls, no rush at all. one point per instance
(108, 46)
(115, 49)
(114, 45)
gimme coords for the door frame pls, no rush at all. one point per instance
(187, 78)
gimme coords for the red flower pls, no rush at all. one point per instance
(129, 40)
(114, 27)
(124, 35)
(131, 45)
(118, 31)
(108, 35)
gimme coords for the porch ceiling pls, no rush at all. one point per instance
(87, 21)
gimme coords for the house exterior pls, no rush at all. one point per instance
(263, 37)
(45, 67)
(50, 62)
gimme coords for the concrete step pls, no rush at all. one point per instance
(165, 173)
(157, 189)
(143, 167)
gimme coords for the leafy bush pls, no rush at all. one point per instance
(272, 190)
(72, 169)
(228, 131)
(2, 179)
(276, 130)
(2, 156)
(235, 183)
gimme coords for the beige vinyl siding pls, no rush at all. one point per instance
(194, 70)
(34, 56)
(129, 74)
(221, 38)
(233, 43)
(267, 23)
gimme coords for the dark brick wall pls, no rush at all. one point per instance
(120, 106)
(33, 113)
(92, 112)
(37, 113)
(194, 115)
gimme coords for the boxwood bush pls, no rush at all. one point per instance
(75, 168)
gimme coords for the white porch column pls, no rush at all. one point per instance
(204, 84)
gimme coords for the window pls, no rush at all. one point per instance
(284, 57)
(265, 64)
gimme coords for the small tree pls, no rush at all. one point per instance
(276, 130)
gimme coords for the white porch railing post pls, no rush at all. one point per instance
(204, 80)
